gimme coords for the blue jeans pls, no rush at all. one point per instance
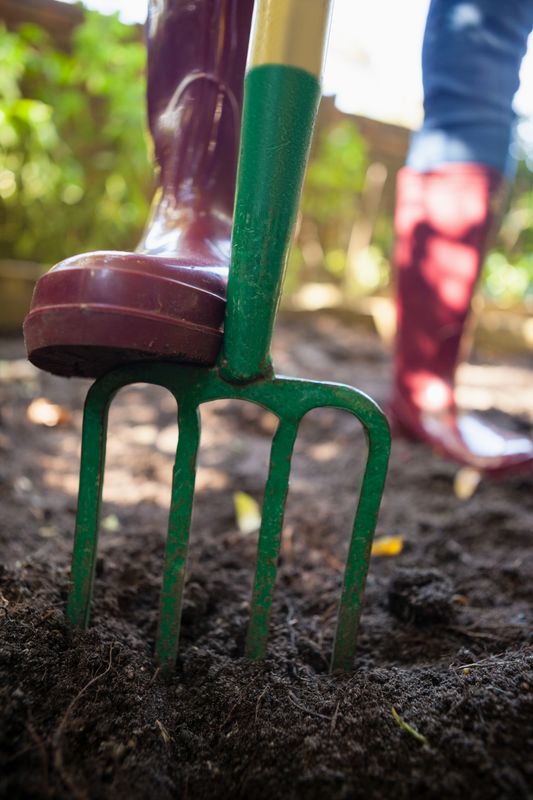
(470, 65)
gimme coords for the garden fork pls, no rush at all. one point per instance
(282, 92)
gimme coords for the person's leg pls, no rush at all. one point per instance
(471, 59)
(446, 197)
(167, 300)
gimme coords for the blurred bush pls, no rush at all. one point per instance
(342, 235)
(508, 275)
(74, 170)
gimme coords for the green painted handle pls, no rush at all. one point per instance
(280, 104)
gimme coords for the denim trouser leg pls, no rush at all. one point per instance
(470, 62)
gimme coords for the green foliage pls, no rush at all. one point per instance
(335, 174)
(508, 282)
(74, 173)
(331, 201)
(508, 274)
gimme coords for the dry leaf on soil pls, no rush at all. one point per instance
(42, 412)
(247, 513)
(387, 546)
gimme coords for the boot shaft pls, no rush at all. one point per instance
(196, 61)
(443, 220)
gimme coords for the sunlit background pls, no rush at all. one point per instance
(373, 62)
(75, 159)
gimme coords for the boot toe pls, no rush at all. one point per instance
(100, 310)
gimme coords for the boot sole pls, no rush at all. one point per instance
(87, 340)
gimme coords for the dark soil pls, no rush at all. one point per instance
(446, 633)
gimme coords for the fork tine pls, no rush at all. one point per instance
(89, 502)
(192, 387)
(357, 562)
(183, 480)
(276, 490)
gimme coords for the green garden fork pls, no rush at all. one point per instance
(282, 92)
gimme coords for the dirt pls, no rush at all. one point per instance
(440, 700)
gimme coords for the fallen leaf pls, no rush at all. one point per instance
(42, 412)
(387, 546)
(111, 523)
(408, 728)
(247, 513)
(465, 483)
(48, 531)
(460, 599)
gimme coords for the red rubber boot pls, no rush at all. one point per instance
(99, 310)
(442, 224)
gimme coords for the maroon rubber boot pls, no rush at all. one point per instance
(442, 222)
(98, 310)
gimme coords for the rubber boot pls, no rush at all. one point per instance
(443, 219)
(98, 310)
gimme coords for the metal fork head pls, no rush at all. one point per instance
(289, 399)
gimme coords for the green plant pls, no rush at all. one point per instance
(335, 175)
(74, 171)
(506, 281)
(508, 273)
(330, 203)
